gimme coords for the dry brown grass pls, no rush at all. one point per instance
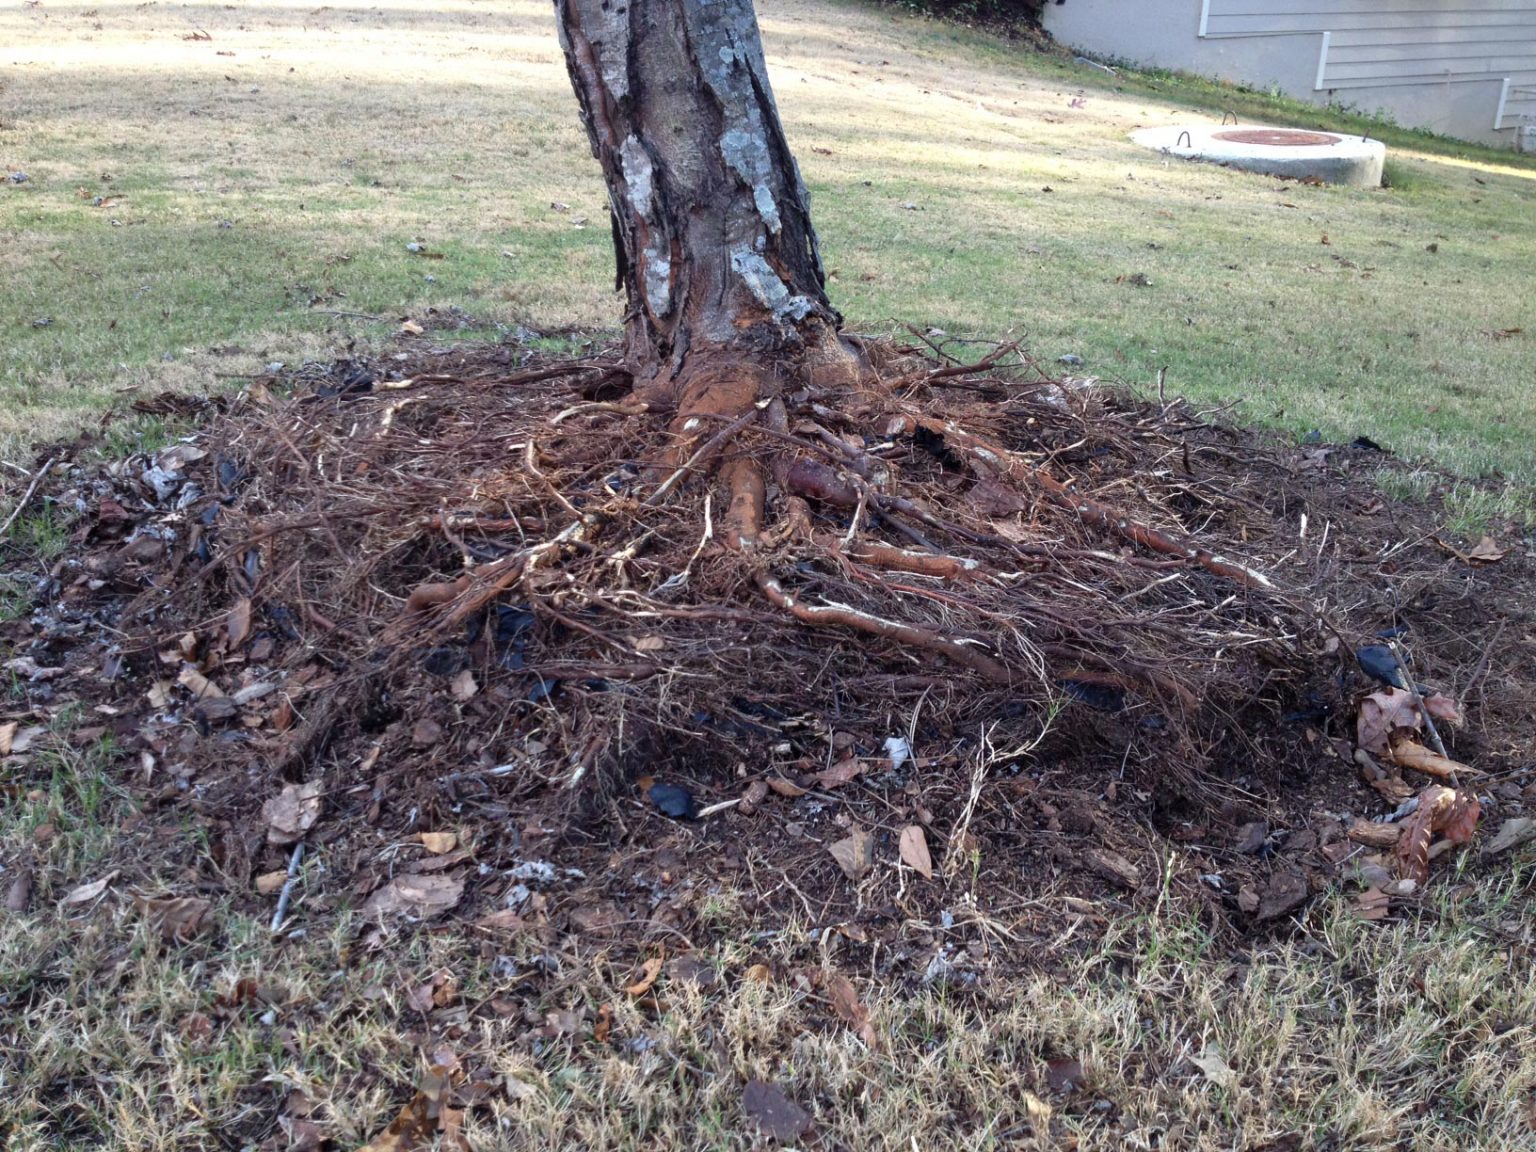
(331, 137)
(1414, 1036)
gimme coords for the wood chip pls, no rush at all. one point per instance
(1373, 834)
(1113, 867)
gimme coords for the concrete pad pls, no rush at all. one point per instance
(1291, 152)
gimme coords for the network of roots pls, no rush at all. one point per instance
(965, 551)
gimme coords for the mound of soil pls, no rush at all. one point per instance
(356, 606)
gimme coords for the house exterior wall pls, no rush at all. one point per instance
(1463, 67)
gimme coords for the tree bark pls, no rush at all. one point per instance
(717, 256)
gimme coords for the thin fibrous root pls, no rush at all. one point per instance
(843, 616)
(989, 460)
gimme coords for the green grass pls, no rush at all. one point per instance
(452, 126)
(456, 129)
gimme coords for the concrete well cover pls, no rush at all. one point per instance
(1289, 152)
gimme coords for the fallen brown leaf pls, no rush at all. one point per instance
(850, 1009)
(178, 918)
(196, 683)
(1409, 753)
(271, 883)
(1372, 904)
(855, 853)
(415, 1125)
(85, 893)
(505, 920)
(913, 847)
(1487, 551)
(840, 773)
(420, 896)
(238, 623)
(648, 973)
(22, 741)
(785, 788)
(7, 733)
(292, 812)
(777, 1116)
(603, 1025)
(438, 843)
(1452, 813)
(1215, 1067)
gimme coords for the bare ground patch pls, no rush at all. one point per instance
(1142, 922)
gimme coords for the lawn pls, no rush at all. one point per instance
(212, 189)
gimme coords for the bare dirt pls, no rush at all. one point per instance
(287, 609)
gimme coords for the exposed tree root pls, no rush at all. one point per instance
(840, 615)
(747, 538)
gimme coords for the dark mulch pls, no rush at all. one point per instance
(1168, 728)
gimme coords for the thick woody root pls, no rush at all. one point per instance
(772, 545)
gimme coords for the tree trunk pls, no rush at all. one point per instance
(712, 230)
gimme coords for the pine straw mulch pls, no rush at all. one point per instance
(439, 592)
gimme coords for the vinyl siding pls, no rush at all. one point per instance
(1387, 43)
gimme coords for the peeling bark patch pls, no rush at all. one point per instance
(746, 151)
(639, 179)
(764, 284)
